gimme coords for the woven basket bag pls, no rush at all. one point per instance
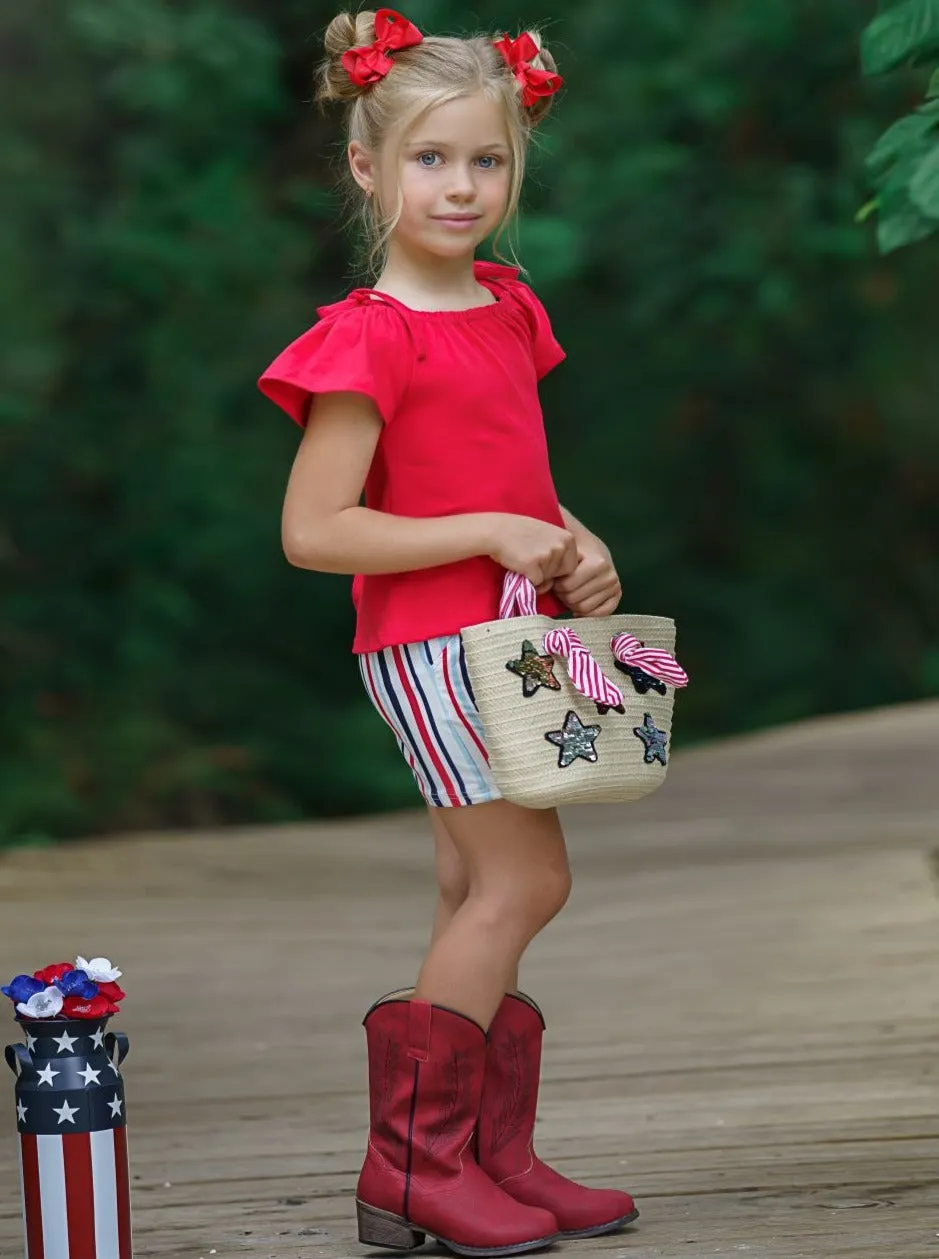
(558, 729)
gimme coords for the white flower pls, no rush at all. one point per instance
(99, 969)
(42, 1005)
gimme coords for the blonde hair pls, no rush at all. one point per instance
(438, 70)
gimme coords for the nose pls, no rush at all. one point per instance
(462, 186)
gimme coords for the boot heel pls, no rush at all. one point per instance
(381, 1228)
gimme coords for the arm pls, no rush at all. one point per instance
(574, 526)
(324, 527)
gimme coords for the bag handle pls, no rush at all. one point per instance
(519, 597)
(629, 650)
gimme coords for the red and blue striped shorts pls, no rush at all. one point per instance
(423, 692)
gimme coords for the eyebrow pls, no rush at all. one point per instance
(440, 144)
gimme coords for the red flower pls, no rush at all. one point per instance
(49, 974)
(96, 1008)
(113, 992)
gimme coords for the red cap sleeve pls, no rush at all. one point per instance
(359, 348)
(545, 348)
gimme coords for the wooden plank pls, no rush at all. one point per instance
(741, 1006)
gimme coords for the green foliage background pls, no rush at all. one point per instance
(748, 413)
(903, 167)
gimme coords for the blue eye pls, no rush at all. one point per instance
(429, 164)
(488, 162)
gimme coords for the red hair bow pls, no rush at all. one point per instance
(519, 54)
(371, 62)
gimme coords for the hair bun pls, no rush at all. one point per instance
(345, 31)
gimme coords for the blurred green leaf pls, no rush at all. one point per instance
(904, 33)
(924, 185)
(907, 136)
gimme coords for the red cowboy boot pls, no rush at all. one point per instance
(425, 1067)
(507, 1125)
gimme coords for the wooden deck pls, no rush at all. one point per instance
(742, 999)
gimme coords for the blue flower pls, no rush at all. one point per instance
(75, 983)
(22, 988)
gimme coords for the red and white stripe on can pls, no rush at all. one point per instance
(76, 1196)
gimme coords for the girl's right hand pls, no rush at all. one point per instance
(539, 551)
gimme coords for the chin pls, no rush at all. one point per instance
(453, 248)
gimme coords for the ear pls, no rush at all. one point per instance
(362, 167)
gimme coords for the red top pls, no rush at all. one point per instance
(463, 432)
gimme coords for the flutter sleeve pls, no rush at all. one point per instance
(546, 351)
(357, 348)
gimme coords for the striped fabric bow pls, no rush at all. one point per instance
(519, 54)
(369, 63)
(584, 671)
(629, 650)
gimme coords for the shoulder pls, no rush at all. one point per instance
(506, 283)
(504, 280)
(358, 345)
(359, 317)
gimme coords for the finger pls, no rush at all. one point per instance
(607, 608)
(577, 590)
(557, 567)
(567, 565)
(582, 575)
(599, 605)
(592, 588)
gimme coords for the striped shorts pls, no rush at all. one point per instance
(423, 692)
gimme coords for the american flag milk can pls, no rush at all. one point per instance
(71, 1119)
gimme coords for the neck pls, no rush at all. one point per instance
(429, 283)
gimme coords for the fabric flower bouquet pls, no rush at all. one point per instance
(87, 990)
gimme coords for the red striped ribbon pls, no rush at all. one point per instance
(585, 673)
(519, 597)
(629, 650)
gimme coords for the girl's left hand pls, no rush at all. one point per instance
(593, 589)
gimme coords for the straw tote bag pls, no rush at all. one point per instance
(558, 729)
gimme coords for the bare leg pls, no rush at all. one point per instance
(519, 879)
(452, 881)
(452, 875)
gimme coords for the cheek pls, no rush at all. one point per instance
(498, 186)
(415, 186)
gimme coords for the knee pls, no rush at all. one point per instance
(526, 904)
(554, 894)
(452, 880)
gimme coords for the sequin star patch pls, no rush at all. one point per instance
(654, 740)
(575, 740)
(642, 681)
(534, 670)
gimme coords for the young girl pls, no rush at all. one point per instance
(422, 392)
